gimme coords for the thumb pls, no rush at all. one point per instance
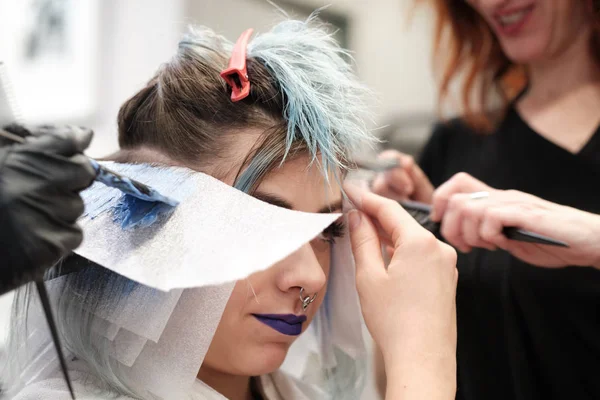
(366, 246)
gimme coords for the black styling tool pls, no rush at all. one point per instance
(421, 211)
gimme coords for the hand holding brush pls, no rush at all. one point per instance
(40, 181)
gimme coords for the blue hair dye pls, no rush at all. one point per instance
(132, 212)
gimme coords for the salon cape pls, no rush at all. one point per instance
(275, 386)
(160, 346)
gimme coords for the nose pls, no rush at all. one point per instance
(301, 269)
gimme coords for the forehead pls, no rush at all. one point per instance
(302, 184)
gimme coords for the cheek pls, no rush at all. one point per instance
(232, 320)
(322, 252)
(234, 347)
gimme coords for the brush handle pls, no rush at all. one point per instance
(11, 136)
(129, 186)
(113, 179)
(45, 300)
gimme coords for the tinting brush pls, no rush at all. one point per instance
(114, 180)
(44, 299)
(421, 211)
(9, 114)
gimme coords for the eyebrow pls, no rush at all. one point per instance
(279, 202)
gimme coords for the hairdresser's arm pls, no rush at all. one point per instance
(409, 307)
(39, 202)
(468, 223)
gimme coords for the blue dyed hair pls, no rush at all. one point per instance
(323, 103)
(304, 99)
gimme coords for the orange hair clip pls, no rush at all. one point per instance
(240, 87)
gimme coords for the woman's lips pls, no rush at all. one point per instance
(511, 22)
(287, 324)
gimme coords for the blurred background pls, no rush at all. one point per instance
(76, 61)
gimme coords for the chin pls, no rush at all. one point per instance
(263, 360)
(525, 52)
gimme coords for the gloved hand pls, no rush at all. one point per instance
(40, 181)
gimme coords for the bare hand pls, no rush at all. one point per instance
(468, 223)
(409, 307)
(406, 182)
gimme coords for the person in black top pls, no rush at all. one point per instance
(527, 329)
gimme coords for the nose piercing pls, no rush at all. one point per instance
(306, 300)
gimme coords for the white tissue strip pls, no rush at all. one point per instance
(145, 311)
(104, 328)
(216, 234)
(168, 369)
(126, 347)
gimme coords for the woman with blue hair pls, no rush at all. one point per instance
(281, 124)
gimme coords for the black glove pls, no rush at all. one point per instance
(40, 181)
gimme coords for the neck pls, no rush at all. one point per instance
(571, 69)
(233, 387)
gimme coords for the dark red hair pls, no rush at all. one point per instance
(466, 46)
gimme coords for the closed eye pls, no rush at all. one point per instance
(334, 231)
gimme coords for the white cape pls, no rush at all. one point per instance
(275, 386)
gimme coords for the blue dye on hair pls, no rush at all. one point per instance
(129, 186)
(137, 211)
(132, 212)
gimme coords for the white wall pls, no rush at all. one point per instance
(392, 53)
(135, 36)
(138, 35)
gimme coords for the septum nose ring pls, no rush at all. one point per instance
(306, 300)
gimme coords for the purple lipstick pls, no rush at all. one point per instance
(288, 324)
